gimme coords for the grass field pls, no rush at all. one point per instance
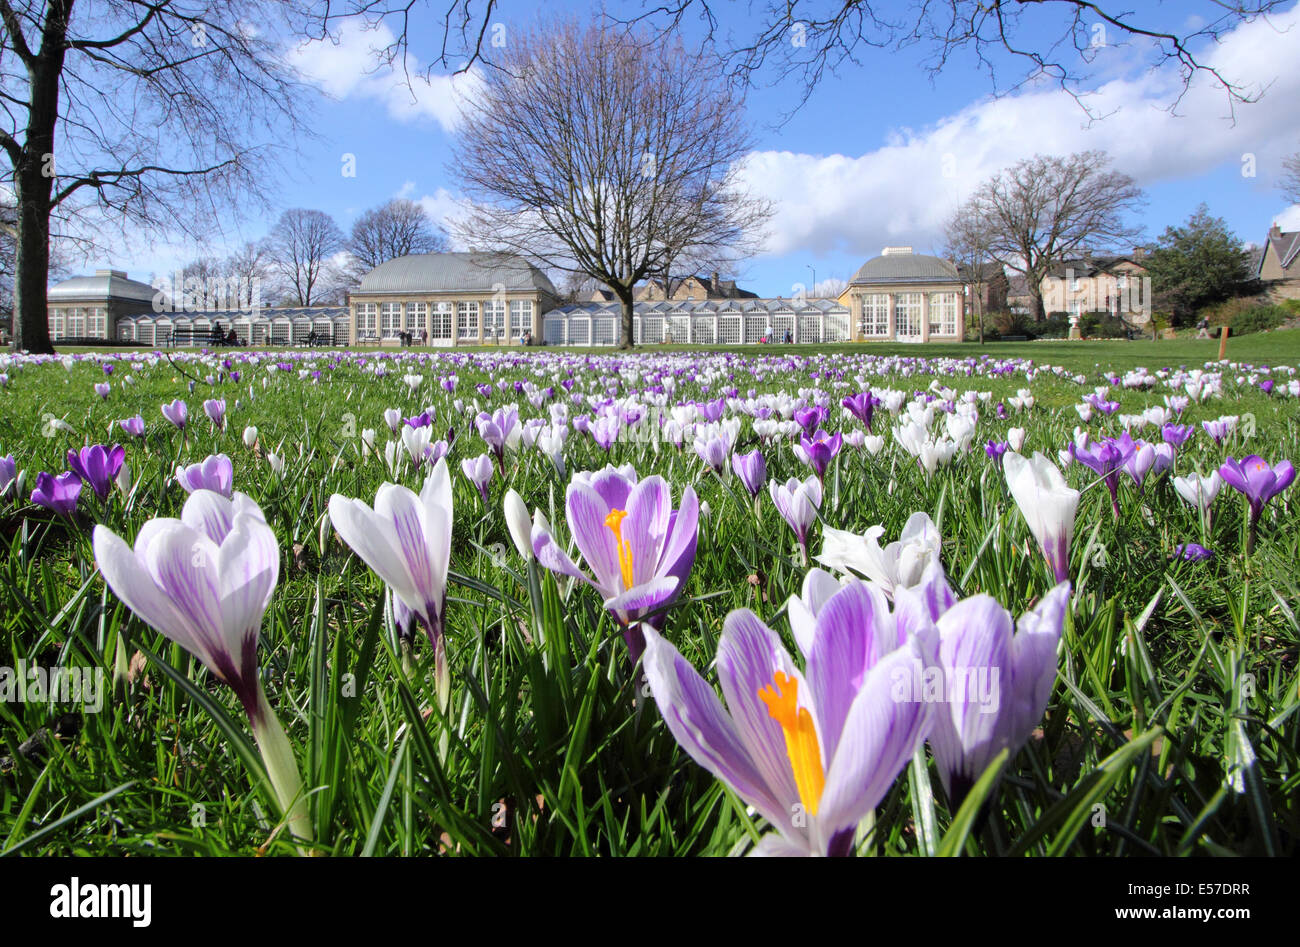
(1170, 727)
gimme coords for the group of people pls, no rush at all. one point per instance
(223, 338)
(405, 337)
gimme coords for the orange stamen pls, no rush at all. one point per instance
(801, 744)
(615, 523)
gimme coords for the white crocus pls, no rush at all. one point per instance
(1048, 505)
(899, 565)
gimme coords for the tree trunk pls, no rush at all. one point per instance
(624, 294)
(32, 265)
(34, 184)
(1036, 295)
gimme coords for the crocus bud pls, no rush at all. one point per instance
(250, 436)
(123, 479)
(520, 526)
(1016, 438)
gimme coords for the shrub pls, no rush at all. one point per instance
(1102, 325)
(1258, 319)
(1222, 314)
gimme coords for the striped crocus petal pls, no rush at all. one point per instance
(749, 657)
(207, 597)
(854, 631)
(802, 609)
(696, 718)
(880, 736)
(406, 540)
(213, 514)
(975, 636)
(644, 530)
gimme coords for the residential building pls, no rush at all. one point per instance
(1279, 264)
(689, 288)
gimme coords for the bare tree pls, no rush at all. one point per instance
(250, 264)
(587, 153)
(804, 39)
(967, 245)
(302, 246)
(394, 229)
(1290, 182)
(1046, 209)
(150, 113)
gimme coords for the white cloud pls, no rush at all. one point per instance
(345, 67)
(443, 208)
(1289, 219)
(902, 192)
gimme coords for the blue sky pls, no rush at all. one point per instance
(879, 154)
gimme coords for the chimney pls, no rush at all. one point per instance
(118, 273)
(716, 288)
(1139, 253)
(1274, 232)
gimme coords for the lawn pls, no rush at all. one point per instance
(1167, 727)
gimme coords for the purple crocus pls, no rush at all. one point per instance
(133, 426)
(177, 412)
(8, 473)
(1176, 435)
(996, 681)
(819, 450)
(752, 471)
(1192, 552)
(995, 450)
(57, 493)
(98, 466)
(1139, 462)
(862, 406)
(1106, 458)
(798, 502)
(500, 430)
(814, 752)
(406, 540)
(639, 549)
(215, 473)
(810, 418)
(215, 409)
(1220, 428)
(478, 471)
(1259, 482)
(103, 389)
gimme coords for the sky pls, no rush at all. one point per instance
(879, 154)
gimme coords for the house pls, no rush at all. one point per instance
(1113, 284)
(1279, 264)
(987, 287)
(905, 296)
(690, 288)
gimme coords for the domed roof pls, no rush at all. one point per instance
(454, 272)
(901, 265)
